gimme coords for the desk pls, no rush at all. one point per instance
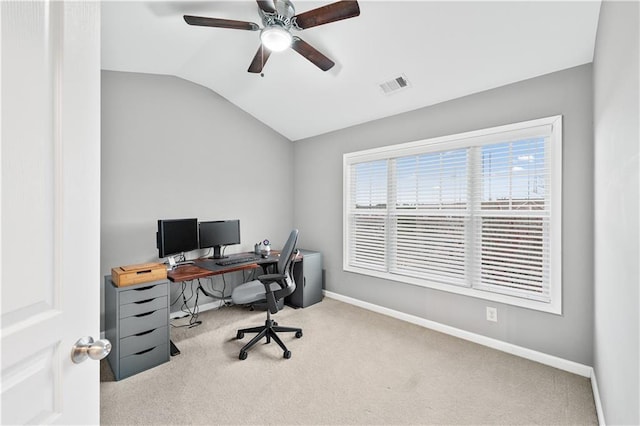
(203, 268)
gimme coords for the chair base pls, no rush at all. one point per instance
(269, 331)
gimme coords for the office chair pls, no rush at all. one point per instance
(270, 287)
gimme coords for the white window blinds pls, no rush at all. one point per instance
(368, 217)
(472, 212)
(428, 216)
(512, 208)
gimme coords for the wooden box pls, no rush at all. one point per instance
(135, 274)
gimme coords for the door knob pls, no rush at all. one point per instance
(87, 348)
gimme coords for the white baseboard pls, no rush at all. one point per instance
(542, 358)
(596, 398)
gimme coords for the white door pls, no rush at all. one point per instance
(50, 199)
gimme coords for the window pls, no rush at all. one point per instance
(477, 213)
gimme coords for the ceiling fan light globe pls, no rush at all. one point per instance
(276, 39)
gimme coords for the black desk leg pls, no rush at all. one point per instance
(174, 349)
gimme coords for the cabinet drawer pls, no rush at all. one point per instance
(144, 360)
(142, 341)
(142, 306)
(143, 293)
(143, 322)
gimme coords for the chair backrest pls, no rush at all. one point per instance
(284, 267)
(286, 255)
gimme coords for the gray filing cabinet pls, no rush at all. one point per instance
(308, 277)
(137, 324)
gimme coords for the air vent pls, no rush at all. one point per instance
(395, 85)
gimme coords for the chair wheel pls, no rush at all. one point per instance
(243, 355)
(298, 334)
(275, 323)
(287, 354)
(240, 335)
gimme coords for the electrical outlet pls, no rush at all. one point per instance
(492, 314)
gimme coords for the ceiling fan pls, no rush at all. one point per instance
(279, 18)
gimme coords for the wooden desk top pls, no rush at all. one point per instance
(193, 271)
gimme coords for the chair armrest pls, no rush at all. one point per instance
(269, 278)
(266, 280)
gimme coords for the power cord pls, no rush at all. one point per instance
(207, 254)
(191, 312)
(211, 291)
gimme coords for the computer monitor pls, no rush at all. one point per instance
(176, 236)
(219, 233)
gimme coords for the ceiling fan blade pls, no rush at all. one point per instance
(266, 6)
(259, 60)
(313, 55)
(329, 13)
(220, 23)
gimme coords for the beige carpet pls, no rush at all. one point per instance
(352, 366)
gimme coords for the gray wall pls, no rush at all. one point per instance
(617, 235)
(318, 210)
(174, 149)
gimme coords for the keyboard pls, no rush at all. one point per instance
(236, 260)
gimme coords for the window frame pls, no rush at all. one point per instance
(485, 136)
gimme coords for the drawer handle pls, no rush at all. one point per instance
(143, 301)
(145, 351)
(144, 288)
(145, 332)
(144, 315)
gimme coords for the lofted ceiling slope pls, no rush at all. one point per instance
(445, 49)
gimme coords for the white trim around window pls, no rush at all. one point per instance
(476, 213)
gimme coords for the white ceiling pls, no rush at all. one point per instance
(445, 49)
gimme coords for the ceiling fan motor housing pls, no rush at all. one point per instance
(283, 15)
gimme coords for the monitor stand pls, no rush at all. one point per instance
(217, 253)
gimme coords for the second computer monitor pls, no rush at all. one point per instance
(219, 233)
